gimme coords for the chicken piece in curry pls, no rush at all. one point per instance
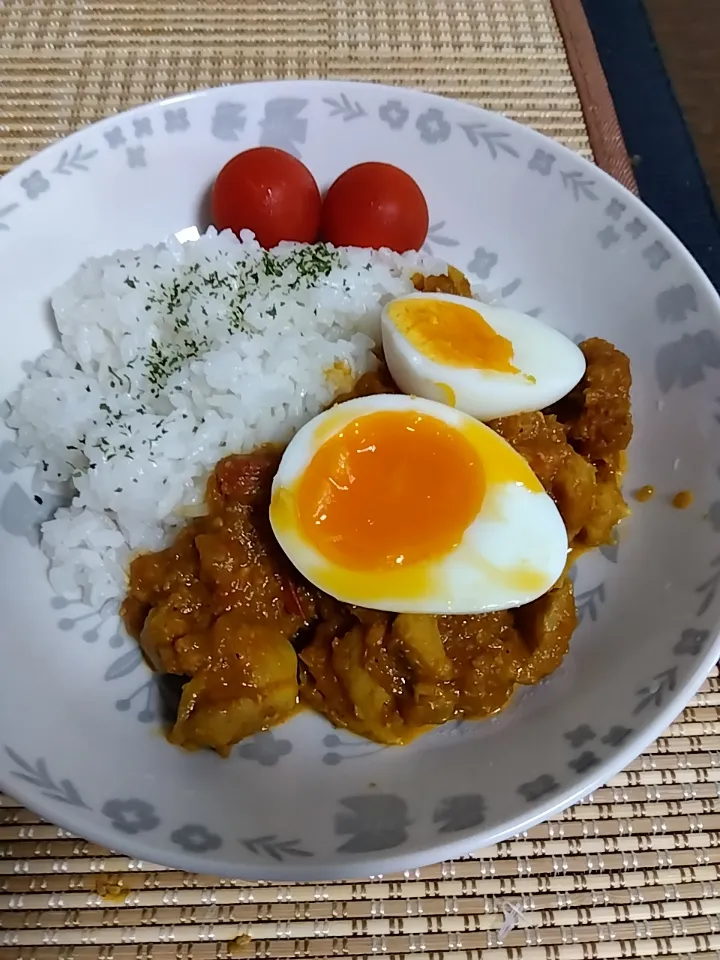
(250, 640)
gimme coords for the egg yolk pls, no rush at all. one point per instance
(451, 333)
(390, 489)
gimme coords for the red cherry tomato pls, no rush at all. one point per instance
(269, 192)
(375, 205)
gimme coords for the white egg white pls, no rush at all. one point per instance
(549, 365)
(518, 528)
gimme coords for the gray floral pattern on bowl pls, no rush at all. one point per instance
(372, 822)
(433, 126)
(5, 213)
(131, 815)
(394, 114)
(438, 238)
(38, 775)
(228, 121)
(74, 161)
(275, 848)
(496, 141)
(460, 813)
(264, 748)
(283, 125)
(195, 838)
(345, 108)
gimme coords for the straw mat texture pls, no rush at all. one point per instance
(65, 63)
(634, 871)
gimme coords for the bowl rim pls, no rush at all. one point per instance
(472, 839)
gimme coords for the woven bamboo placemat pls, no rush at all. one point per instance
(633, 871)
(64, 63)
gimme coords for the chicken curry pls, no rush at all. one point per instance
(223, 610)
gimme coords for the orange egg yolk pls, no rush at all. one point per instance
(452, 334)
(390, 489)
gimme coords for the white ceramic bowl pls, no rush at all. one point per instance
(79, 735)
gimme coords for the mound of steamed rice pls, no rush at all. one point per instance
(172, 357)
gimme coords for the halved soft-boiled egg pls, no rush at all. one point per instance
(403, 504)
(487, 361)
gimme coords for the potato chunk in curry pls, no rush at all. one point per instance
(247, 683)
(389, 679)
(220, 607)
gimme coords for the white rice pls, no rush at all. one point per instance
(172, 357)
